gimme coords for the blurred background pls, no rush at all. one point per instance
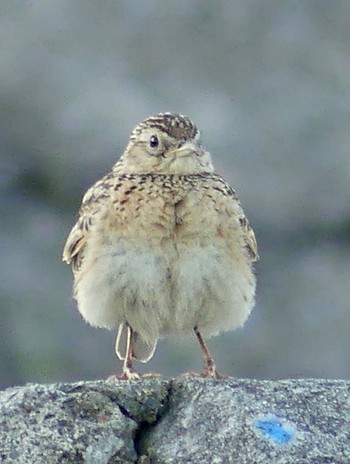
(268, 84)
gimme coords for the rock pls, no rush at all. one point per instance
(91, 422)
(251, 421)
(186, 420)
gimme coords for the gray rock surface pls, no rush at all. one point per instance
(92, 422)
(186, 420)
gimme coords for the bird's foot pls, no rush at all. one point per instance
(207, 373)
(130, 374)
(211, 373)
(127, 374)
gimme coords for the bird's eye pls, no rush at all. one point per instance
(153, 141)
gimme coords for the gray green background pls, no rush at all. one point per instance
(268, 84)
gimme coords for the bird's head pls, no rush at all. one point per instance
(167, 143)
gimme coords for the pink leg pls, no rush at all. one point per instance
(128, 370)
(209, 365)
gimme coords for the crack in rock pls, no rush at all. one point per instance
(145, 428)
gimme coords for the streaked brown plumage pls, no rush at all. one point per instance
(162, 245)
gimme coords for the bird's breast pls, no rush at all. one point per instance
(158, 216)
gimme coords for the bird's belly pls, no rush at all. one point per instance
(210, 289)
(170, 291)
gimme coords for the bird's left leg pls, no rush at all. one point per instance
(209, 364)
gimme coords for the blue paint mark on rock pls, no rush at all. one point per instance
(276, 429)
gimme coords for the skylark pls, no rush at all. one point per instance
(162, 245)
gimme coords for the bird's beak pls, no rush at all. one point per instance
(187, 149)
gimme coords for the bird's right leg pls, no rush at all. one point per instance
(128, 370)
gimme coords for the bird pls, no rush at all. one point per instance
(162, 246)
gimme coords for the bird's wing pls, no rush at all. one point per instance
(249, 237)
(248, 233)
(93, 200)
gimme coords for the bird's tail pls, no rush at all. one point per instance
(142, 350)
